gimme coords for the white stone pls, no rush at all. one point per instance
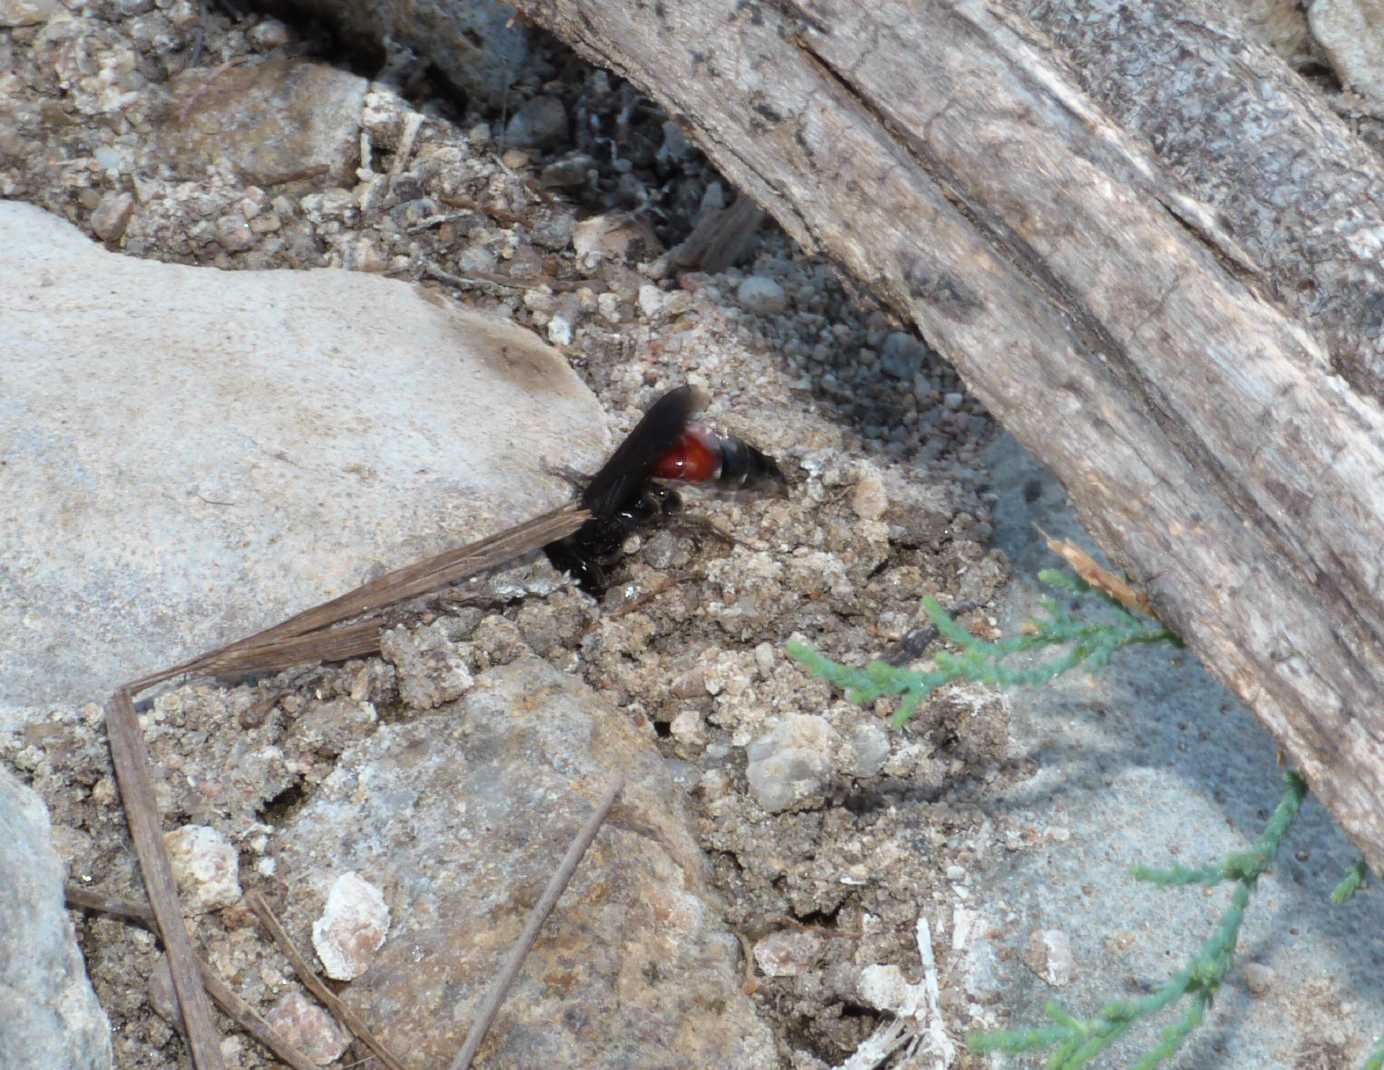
(650, 300)
(885, 988)
(870, 748)
(689, 728)
(790, 764)
(560, 329)
(205, 865)
(788, 952)
(352, 927)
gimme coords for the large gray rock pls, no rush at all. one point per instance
(49, 1017)
(459, 818)
(189, 455)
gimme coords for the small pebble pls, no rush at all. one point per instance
(689, 728)
(886, 988)
(112, 216)
(308, 1027)
(431, 671)
(1259, 978)
(903, 355)
(352, 927)
(234, 233)
(869, 500)
(268, 34)
(608, 305)
(650, 300)
(205, 865)
(788, 952)
(761, 296)
(791, 763)
(569, 171)
(542, 121)
(560, 329)
(870, 746)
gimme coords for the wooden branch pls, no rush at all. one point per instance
(1218, 442)
(134, 773)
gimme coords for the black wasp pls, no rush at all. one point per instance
(624, 497)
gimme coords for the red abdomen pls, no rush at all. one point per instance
(695, 459)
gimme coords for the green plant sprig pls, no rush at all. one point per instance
(1087, 643)
(1090, 644)
(1078, 1042)
(1350, 883)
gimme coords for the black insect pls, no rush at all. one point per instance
(624, 497)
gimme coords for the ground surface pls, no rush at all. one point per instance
(994, 817)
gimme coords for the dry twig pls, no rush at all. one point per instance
(551, 894)
(226, 998)
(343, 1014)
(135, 775)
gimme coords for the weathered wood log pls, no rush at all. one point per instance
(1170, 292)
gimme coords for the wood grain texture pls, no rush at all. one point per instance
(1130, 321)
(135, 774)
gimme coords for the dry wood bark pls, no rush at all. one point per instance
(1149, 248)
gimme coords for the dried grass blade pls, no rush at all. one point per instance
(499, 988)
(343, 1014)
(135, 775)
(267, 650)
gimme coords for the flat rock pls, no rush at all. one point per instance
(190, 455)
(49, 1017)
(459, 818)
(264, 121)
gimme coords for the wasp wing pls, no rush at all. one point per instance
(622, 478)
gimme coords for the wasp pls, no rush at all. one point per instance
(629, 492)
